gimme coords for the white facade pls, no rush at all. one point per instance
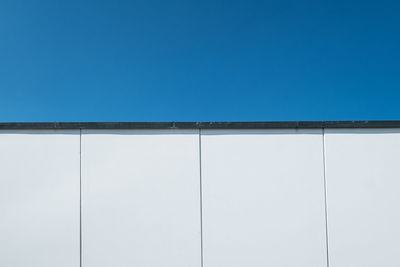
(200, 198)
(263, 198)
(140, 198)
(363, 189)
(39, 198)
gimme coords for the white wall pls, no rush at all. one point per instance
(141, 198)
(175, 198)
(263, 198)
(363, 183)
(39, 198)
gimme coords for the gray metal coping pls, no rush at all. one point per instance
(201, 125)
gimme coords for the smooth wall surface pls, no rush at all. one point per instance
(174, 198)
(39, 198)
(363, 189)
(263, 198)
(141, 198)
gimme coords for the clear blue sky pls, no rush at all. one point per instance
(146, 60)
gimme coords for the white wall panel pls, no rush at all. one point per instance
(39, 198)
(263, 198)
(141, 200)
(363, 182)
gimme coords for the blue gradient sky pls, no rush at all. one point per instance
(147, 60)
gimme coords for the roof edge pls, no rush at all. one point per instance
(200, 125)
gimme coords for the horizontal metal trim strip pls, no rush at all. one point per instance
(201, 125)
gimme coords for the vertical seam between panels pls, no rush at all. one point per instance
(325, 197)
(80, 197)
(201, 203)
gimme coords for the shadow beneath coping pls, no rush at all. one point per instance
(140, 131)
(103, 131)
(363, 131)
(166, 131)
(203, 131)
(261, 131)
(42, 132)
